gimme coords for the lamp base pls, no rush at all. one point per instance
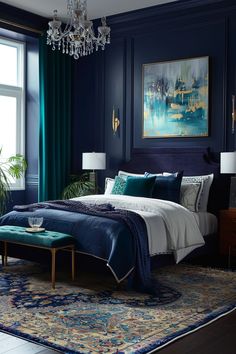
(232, 198)
(93, 179)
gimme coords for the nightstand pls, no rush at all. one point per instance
(228, 233)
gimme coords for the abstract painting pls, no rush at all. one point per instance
(175, 98)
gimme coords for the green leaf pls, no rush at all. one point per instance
(79, 187)
(14, 166)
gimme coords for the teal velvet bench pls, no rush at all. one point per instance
(49, 240)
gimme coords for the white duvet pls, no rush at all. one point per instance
(171, 228)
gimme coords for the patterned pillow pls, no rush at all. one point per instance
(207, 181)
(190, 194)
(119, 185)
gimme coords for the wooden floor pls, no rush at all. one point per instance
(217, 338)
(13, 345)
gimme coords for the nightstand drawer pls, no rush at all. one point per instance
(229, 222)
(226, 247)
(228, 239)
(228, 232)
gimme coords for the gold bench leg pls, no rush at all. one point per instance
(53, 251)
(73, 262)
(5, 254)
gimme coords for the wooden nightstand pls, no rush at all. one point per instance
(228, 233)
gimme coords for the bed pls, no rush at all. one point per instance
(110, 238)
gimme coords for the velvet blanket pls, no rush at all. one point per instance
(124, 239)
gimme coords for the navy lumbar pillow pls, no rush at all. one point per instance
(139, 186)
(167, 187)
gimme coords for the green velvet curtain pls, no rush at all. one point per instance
(55, 72)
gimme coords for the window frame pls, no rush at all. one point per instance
(18, 92)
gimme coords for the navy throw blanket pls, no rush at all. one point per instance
(140, 280)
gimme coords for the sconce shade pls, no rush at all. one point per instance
(93, 161)
(228, 162)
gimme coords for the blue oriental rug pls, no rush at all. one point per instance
(92, 316)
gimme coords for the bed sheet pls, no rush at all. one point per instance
(207, 223)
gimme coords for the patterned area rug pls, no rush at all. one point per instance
(92, 316)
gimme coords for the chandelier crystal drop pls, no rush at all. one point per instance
(77, 37)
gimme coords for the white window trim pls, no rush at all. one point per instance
(18, 92)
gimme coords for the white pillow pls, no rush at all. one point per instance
(207, 181)
(125, 174)
(169, 174)
(109, 184)
(190, 195)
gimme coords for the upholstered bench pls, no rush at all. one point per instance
(50, 240)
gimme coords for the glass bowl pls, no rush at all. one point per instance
(35, 223)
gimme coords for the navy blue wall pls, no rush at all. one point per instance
(113, 78)
(184, 29)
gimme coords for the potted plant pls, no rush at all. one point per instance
(78, 187)
(15, 167)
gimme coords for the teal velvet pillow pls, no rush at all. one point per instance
(119, 185)
(139, 186)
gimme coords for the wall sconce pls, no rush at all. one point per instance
(233, 113)
(115, 121)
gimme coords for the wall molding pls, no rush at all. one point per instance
(22, 21)
(19, 26)
(32, 180)
(183, 29)
(170, 11)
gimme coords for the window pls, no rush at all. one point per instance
(12, 102)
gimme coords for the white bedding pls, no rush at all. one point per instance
(171, 228)
(207, 222)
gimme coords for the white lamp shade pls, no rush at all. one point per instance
(93, 161)
(228, 162)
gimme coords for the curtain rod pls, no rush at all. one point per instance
(17, 25)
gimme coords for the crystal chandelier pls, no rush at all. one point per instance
(77, 37)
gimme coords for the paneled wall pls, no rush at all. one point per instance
(113, 78)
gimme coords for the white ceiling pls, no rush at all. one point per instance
(96, 8)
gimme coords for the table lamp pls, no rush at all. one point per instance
(93, 161)
(228, 165)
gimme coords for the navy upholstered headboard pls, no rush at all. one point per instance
(193, 162)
